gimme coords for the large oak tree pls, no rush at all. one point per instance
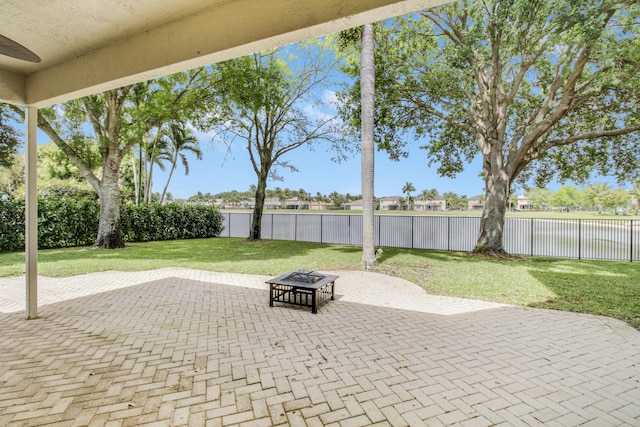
(113, 122)
(539, 89)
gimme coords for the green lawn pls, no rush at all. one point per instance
(597, 287)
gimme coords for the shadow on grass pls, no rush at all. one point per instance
(612, 291)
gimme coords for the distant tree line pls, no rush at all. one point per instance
(600, 197)
(337, 199)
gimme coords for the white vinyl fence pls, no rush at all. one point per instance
(606, 239)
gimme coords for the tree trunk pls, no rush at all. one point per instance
(166, 186)
(256, 224)
(109, 230)
(367, 90)
(495, 206)
(136, 177)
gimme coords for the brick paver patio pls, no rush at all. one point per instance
(176, 347)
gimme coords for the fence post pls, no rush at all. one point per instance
(448, 233)
(531, 239)
(413, 218)
(631, 241)
(579, 239)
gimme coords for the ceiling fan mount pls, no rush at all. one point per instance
(15, 50)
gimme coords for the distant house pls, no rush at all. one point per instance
(476, 203)
(295, 203)
(435, 204)
(272, 203)
(355, 205)
(391, 203)
(232, 205)
(524, 203)
(248, 204)
(319, 206)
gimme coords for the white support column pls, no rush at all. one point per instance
(31, 215)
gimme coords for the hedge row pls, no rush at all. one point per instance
(169, 222)
(65, 221)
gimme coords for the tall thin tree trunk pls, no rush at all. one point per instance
(256, 224)
(166, 185)
(367, 90)
(136, 178)
(149, 186)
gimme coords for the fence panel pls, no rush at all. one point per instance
(431, 232)
(555, 238)
(284, 227)
(309, 228)
(518, 238)
(562, 238)
(355, 230)
(225, 224)
(266, 226)
(395, 231)
(604, 239)
(336, 229)
(236, 224)
(463, 233)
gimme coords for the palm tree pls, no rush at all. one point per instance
(596, 194)
(428, 195)
(635, 193)
(156, 153)
(367, 106)
(180, 140)
(407, 189)
(451, 200)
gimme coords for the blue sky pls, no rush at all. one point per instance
(221, 171)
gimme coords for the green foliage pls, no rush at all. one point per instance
(62, 221)
(9, 138)
(170, 221)
(602, 196)
(66, 221)
(12, 177)
(11, 224)
(567, 196)
(553, 85)
(539, 197)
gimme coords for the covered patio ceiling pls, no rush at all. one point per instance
(89, 46)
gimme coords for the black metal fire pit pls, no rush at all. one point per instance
(302, 287)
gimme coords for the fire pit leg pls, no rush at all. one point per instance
(314, 302)
(271, 295)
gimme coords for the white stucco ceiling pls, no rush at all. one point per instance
(88, 46)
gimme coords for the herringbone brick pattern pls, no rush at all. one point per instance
(177, 347)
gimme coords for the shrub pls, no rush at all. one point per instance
(11, 224)
(169, 222)
(65, 221)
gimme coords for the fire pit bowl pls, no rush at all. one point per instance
(302, 287)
